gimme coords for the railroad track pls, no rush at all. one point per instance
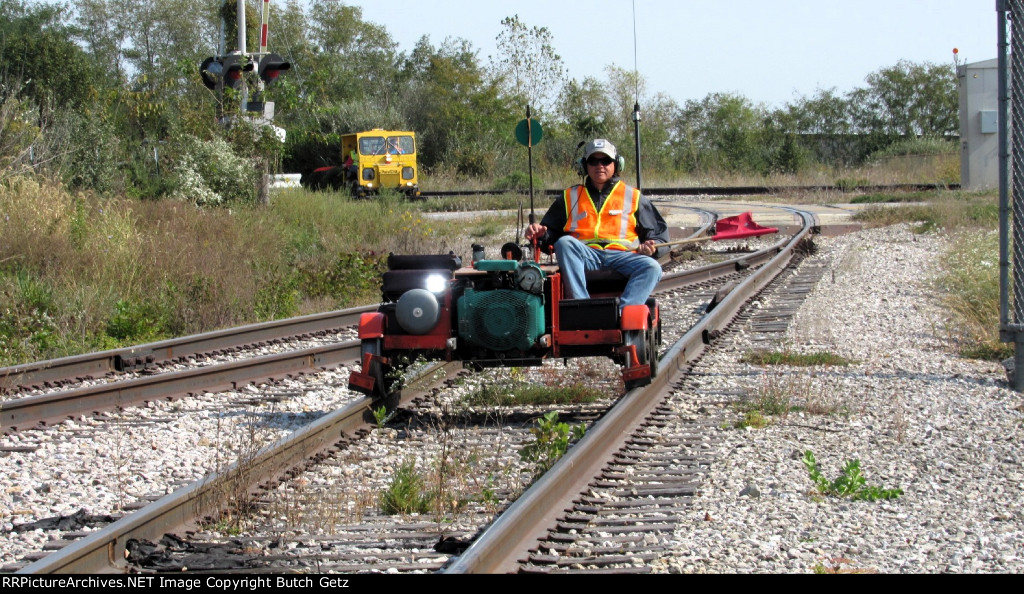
(65, 374)
(60, 374)
(125, 391)
(721, 190)
(532, 516)
(330, 431)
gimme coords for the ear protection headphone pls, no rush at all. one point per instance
(581, 168)
(581, 163)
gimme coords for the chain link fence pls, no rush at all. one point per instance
(1011, 183)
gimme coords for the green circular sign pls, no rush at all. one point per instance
(529, 132)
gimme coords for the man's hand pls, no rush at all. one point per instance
(647, 248)
(535, 231)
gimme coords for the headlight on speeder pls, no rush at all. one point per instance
(437, 284)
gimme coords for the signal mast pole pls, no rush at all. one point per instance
(241, 47)
(241, 27)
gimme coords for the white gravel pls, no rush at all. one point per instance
(109, 463)
(945, 430)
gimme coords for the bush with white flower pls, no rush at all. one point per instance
(210, 173)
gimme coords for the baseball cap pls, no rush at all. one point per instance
(599, 145)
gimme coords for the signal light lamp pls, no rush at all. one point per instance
(271, 66)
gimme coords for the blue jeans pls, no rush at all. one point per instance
(575, 258)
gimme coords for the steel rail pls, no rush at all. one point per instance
(98, 364)
(526, 520)
(105, 550)
(678, 280)
(24, 413)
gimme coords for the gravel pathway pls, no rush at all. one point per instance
(946, 431)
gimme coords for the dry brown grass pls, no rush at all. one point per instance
(73, 264)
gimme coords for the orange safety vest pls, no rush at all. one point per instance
(614, 228)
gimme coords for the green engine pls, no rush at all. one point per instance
(501, 320)
(505, 313)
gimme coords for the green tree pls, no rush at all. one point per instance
(344, 78)
(720, 132)
(781, 150)
(350, 59)
(527, 67)
(39, 59)
(909, 100)
(626, 90)
(825, 112)
(905, 101)
(228, 14)
(604, 109)
(43, 69)
(163, 36)
(656, 135)
(149, 54)
(289, 37)
(462, 119)
(585, 108)
(824, 122)
(104, 33)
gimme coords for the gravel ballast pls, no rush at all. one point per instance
(944, 430)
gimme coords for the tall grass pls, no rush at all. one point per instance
(971, 285)
(80, 272)
(938, 210)
(914, 163)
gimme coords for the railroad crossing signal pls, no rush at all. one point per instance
(271, 66)
(211, 70)
(230, 70)
(225, 70)
(234, 66)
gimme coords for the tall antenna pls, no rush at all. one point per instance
(636, 68)
(636, 106)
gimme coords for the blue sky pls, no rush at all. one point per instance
(768, 51)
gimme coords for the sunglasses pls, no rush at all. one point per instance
(594, 161)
